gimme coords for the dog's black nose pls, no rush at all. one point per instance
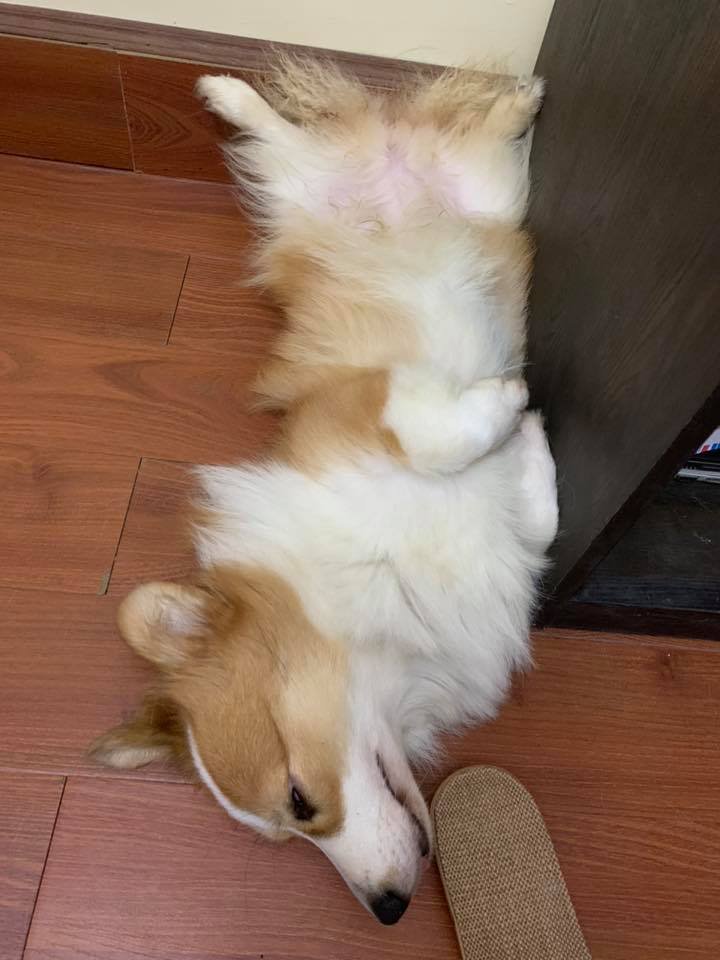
(389, 907)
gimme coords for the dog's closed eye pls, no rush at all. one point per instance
(302, 809)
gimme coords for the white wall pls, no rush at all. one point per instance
(504, 34)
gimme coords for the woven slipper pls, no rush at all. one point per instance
(501, 876)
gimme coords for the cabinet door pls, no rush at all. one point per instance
(624, 343)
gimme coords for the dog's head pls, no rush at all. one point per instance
(267, 711)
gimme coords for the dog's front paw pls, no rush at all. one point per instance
(495, 406)
(514, 394)
(499, 399)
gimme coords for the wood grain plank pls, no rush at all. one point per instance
(203, 46)
(66, 678)
(219, 310)
(617, 740)
(62, 103)
(157, 870)
(162, 402)
(155, 543)
(81, 289)
(62, 516)
(172, 134)
(601, 618)
(62, 202)
(642, 887)
(607, 717)
(28, 806)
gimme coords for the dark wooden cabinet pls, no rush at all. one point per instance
(625, 310)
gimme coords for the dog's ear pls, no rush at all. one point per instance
(155, 733)
(166, 622)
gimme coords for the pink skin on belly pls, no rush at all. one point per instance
(386, 187)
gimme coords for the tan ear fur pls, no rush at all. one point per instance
(164, 622)
(155, 733)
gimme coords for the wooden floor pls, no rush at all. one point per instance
(127, 347)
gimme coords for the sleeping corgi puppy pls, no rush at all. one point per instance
(371, 583)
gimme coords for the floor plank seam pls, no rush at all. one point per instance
(639, 640)
(177, 302)
(102, 773)
(95, 167)
(214, 185)
(131, 145)
(105, 583)
(182, 463)
(45, 862)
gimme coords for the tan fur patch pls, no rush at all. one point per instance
(342, 420)
(334, 319)
(311, 93)
(263, 692)
(456, 99)
(266, 703)
(512, 250)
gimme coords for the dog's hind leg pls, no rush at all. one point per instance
(489, 159)
(282, 166)
(512, 113)
(242, 106)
